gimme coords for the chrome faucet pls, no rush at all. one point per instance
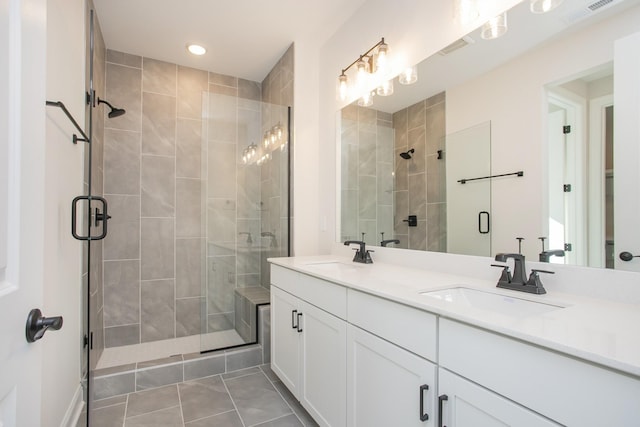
(518, 281)
(362, 254)
(545, 255)
(249, 239)
(272, 236)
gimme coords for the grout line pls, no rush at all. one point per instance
(232, 401)
(180, 397)
(282, 396)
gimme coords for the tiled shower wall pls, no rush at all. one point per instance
(420, 186)
(153, 257)
(367, 174)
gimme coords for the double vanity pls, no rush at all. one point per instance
(389, 345)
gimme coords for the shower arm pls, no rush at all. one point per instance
(60, 105)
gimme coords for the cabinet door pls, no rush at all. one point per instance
(387, 385)
(285, 338)
(467, 404)
(324, 341)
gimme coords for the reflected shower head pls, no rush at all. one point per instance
(115, 112)
(407, 154)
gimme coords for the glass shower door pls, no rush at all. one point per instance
(246, 205)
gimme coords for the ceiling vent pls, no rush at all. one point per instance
(458, 44)
(588, 9)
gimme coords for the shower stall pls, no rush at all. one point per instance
(195, 168)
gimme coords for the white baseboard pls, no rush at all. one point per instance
(74, 410)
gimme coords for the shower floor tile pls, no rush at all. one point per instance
(251, 397)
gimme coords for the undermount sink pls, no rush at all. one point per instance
(498, 303)
(333, 266)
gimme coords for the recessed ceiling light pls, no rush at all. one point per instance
(196, 49)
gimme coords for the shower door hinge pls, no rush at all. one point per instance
(566, 188)
(90, 340)
(568, 247)
(85, 341)
(566, 129)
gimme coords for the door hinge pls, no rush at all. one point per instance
(567, 247)
(566, 129)
(85, 341)
(91, 339)
(566, 188)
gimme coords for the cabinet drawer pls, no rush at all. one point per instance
(407, 327)
(321, 293)
(564, 389)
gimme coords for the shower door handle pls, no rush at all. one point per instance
(98, 217)
(480, 229)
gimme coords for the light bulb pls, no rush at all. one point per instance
(266, 139)
(279, 131)
(544, 6)
(196, 49)
(273, 137)
(361, 73)
(408, 76)
(366, 100)
(386, 88)
(382, 59)
(495, 27)
(343, 87)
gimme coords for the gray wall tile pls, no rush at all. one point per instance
(189, 208)
(122, 292)
(222, 170)
(159, 77)
(204, 367)
(122, 335)
(249, 90)
(123, 90)
(189, 148)
(157, 310)
(158, 124)
(245, 358)
(221, 220)
(123, 241)
(158, 186)
(221, 284)
(121, 162)
(191, 85)
(189, 267)
(222, 79)
(157, 248)
(156, 377)
(188, 317)
(124, 58)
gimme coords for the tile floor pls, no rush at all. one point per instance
(249, 397)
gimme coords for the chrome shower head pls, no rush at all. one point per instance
(407, 154)
(115, 112)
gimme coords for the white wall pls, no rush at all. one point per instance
(63, 181)
(518, 123)
(414, 29)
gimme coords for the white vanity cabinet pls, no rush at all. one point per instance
(465, 404)
(308, 350)
(387, 385)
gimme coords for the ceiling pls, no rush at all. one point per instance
(244, 38)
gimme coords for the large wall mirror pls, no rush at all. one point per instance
(499, 143)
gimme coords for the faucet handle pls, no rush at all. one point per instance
(506, 273)
(534, 281)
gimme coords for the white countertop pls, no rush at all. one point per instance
(600, 331)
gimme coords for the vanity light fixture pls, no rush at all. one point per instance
(366, 100)
(495, 27)
(544, 6)
(196, 49)
(374, 61)
(408, 76)
(386, 88)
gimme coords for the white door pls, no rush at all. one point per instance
(387, 385)
(626, 150)
(465, 404)
(22, 149)
(324, 366)
(285, 338)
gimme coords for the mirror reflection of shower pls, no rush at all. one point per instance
(115, 112)
(407, 154)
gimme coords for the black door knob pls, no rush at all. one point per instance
(37, 325)
(627, 256)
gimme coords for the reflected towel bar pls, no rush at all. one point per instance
(464, 181)
(60, 105)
